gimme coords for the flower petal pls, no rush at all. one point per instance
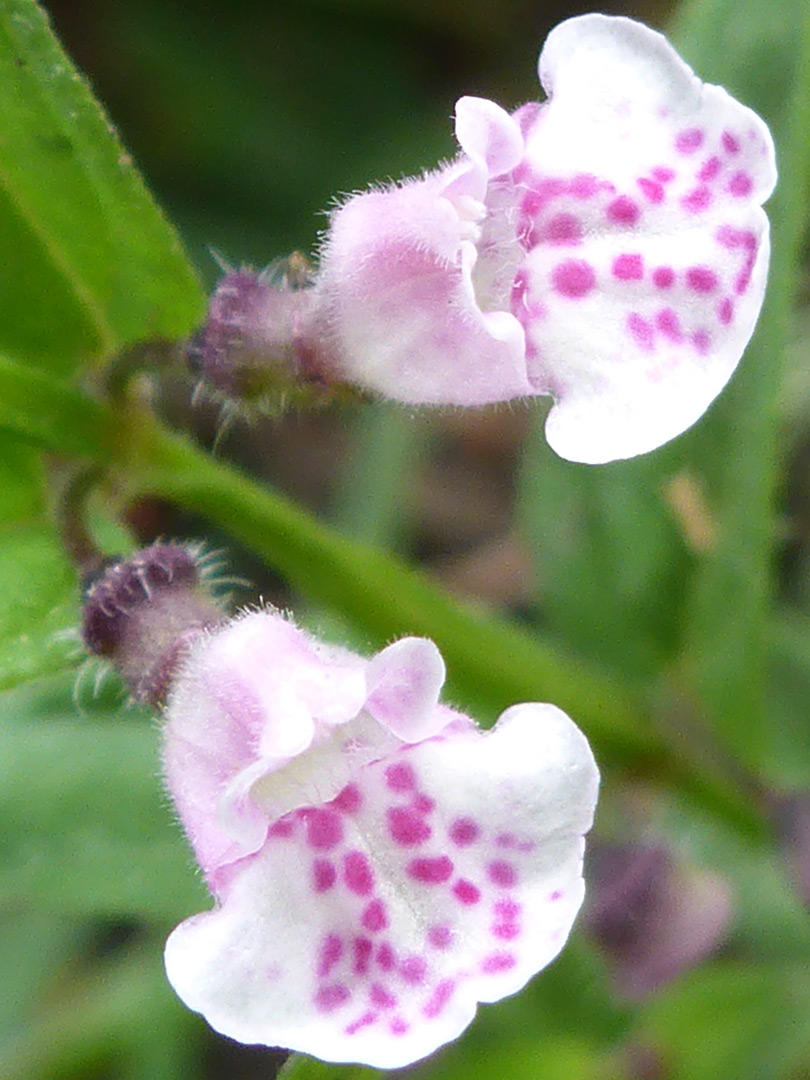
(404, 682)
(647, 248)
(367, 929)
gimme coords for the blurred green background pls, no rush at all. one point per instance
(664, 602)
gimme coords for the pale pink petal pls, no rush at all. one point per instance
(246, 701)
(403, 683)
(646, 246)
(367, 929)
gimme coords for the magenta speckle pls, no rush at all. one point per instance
(725, 310)
(413, 970)
(374, 918)
(701, 279)
(506, 840)
(641, 331)
(324, 829)
(687, 142)
(497, 962)
(440, 937)
(555, 896)
(324, 875)
(663, 173)
(464, 832)
(573, 278)
(430, 871)
(710, 169)
(562, 229)
(584, 186)
(438, 999)
(386, 958)
(628, 267)
(400, 777)
(330, 954)
(381, 998)
(740, 185)
(284, 827)
(506, 931)
(423, 804)
(399, 1026)
(702, 341)
(366, 1020)
(730, 142)
(668, 323)
(623, 211)
(466, 892)
(502, 873)
(362, 948)
(329, 998)
(349, 800)
(653, 190)
(406, 827)
(697, 200)
(507, 908)
(663, 277)
(358, 874)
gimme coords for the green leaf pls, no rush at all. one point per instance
(85, 825)
(96, 265)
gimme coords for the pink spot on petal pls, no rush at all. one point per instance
(324, 875)
(561, 229)
(330, 954)
(623, 211)
(374, 918)
(506, 931)
(382, 998)
(687, 142)
(701, 279)
(430, 871)
(440, 937)
(464, 832)
(329, 998)
(324, 829)
(413, 970)
(362, 948)
(663, 173)
(386, 957)
(641, 331)
(730, 143)
(406, 827)
(466, 892)
(400, 777)
(663, 277)
(399, 1026)
(702, 341)
(502, 873)
(651, 189)
(628, 267)
(710, 169)
(668, 323)
(696, 200)
(740, 185)
(725, 310)
(366, 1020)
(573, 278)
(423, 804)
(506, 840)
(507, 908)
(584, 186)
(556, 895)
(438, 999)
(357, 873)
(284, 827)
(497, 962)
(349, 800)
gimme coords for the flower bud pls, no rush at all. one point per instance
(142, 612)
